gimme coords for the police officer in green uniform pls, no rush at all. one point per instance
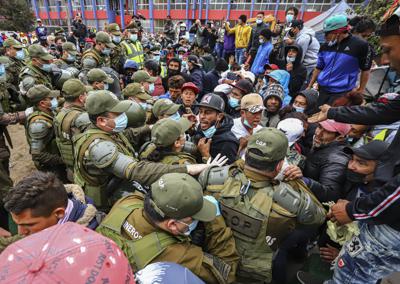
(117, 56)
(98, 79)
(156, 226)
(40, 131)
(68, 60)
(167, 143)
(99, 55)
(133, 48)
(103, 153)
(72, 119)
(260, 210)
(38, 70)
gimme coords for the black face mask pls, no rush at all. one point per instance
(355, 177)
(291, 34)
(172, 72)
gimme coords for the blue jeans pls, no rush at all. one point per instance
(218, 49)
(239, 55)
(370, 256)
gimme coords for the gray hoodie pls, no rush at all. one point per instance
(310, 45)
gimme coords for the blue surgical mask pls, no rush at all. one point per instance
(247, 124)
(176, 116)
(54, 104)
(151, 88)
(233, 102)
(46, 68)
(156, 57)
(116, 39)
(134, 37)
(143, 105)
(210, 131)
(71, 58)
(290, 59)
(191, 227)
(299, 109)
(2, 69)
(121, 121)
(259, 21)
(20, 55)
(289, 18)
(106, 86)
(106, 51)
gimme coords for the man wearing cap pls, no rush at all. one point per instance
(196, 72)
(144, 79)
(136, 92)
(117, 54)
(68, 58)
(250, 199)
(132, 47)
(188, 99)
(72, 119)
(15, 52)
(99, 55)
(98, 79)
(240, 89)
(41, 32)
(214, 135)
(40, 131)
(38, 70)
(104, 155)
(272, 102)
(251, 107)
(340, 60)
(156, 226)
(164, 108)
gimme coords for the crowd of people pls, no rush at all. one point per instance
(228, 150)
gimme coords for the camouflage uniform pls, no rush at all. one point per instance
(117, 53)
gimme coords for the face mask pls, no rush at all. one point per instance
(233, 102)
(172, 72)
(2, 70)
(191, 227)
(355, 177)
(71, 58)
(290, 59)
(120, 122)
(134, 37)
(20, 55)
(210, 131)
(156, 58)
(116, 39)
(46, 68)
(247, 124)
(180, 57)
(289, 18)
(291, 34)
(261, 41)
(143, 105)
(54, 104)
(259, 21)
(176, 116)
(106, 51)
(106, 86)
(299, 109)
(151, 88)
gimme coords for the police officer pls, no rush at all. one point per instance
(261, 211)
(133, 48)
(99, 79)
(99, 55)
(68, 58)
(38, 70)
(71, 120)
(143, 78)
(167, 143)
(156, 226)
(117, 54)
(15, 52)
(40, 131)
(103, 153)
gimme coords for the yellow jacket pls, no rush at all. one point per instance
(242, 35)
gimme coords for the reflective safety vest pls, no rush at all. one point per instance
(164, 71)
(134, 51)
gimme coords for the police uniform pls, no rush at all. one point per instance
(92, 58)
(260, 211)
(102, 156)
(117, 57)
(134, 51)
(69, 63)
(40, 133)
(71, 120)
(32, 75)
(174, 196)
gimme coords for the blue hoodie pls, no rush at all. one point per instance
(282, 77)
(262, 58)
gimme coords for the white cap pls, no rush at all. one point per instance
(293, 129)
(223, 88)
(249, 75)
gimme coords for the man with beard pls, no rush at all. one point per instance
(174, 68)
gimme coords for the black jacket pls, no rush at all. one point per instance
(211, 81)
(254, 41)
(197, 77)
(325, 170)
(223, 142)
(381, 206)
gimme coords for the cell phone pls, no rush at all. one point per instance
(232, 76)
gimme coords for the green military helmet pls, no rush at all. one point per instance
(103, 37)
(98, 75)
(135, 90)
(142, 76)
(70, 48)
(102, 101)
(135, 113)
(164, 107)
(12, 42)
(39, 92)
(114, 29)
(38, 51)
(335, 22)
(73, 88)
(166, 131)
(271, 143)
(178, 196)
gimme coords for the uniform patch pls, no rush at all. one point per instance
(354, 247)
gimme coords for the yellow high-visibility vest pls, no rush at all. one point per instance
(134, 51)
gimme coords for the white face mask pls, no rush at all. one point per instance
(259, 21)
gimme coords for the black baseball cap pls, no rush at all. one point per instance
(213, 101)
(244, 86)
(371, 151)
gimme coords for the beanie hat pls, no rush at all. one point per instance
(274, 90)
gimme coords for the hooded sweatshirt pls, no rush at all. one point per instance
(283, 78)
(311, 96)
(298, 74)
(310, 45)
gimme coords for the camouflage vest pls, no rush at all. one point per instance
(39, 76)
(15, 69)
(102, 61)
(258, 224)
(178, 159)
(63, 131)
(117, 58)
(95, 184)
(140, 252)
